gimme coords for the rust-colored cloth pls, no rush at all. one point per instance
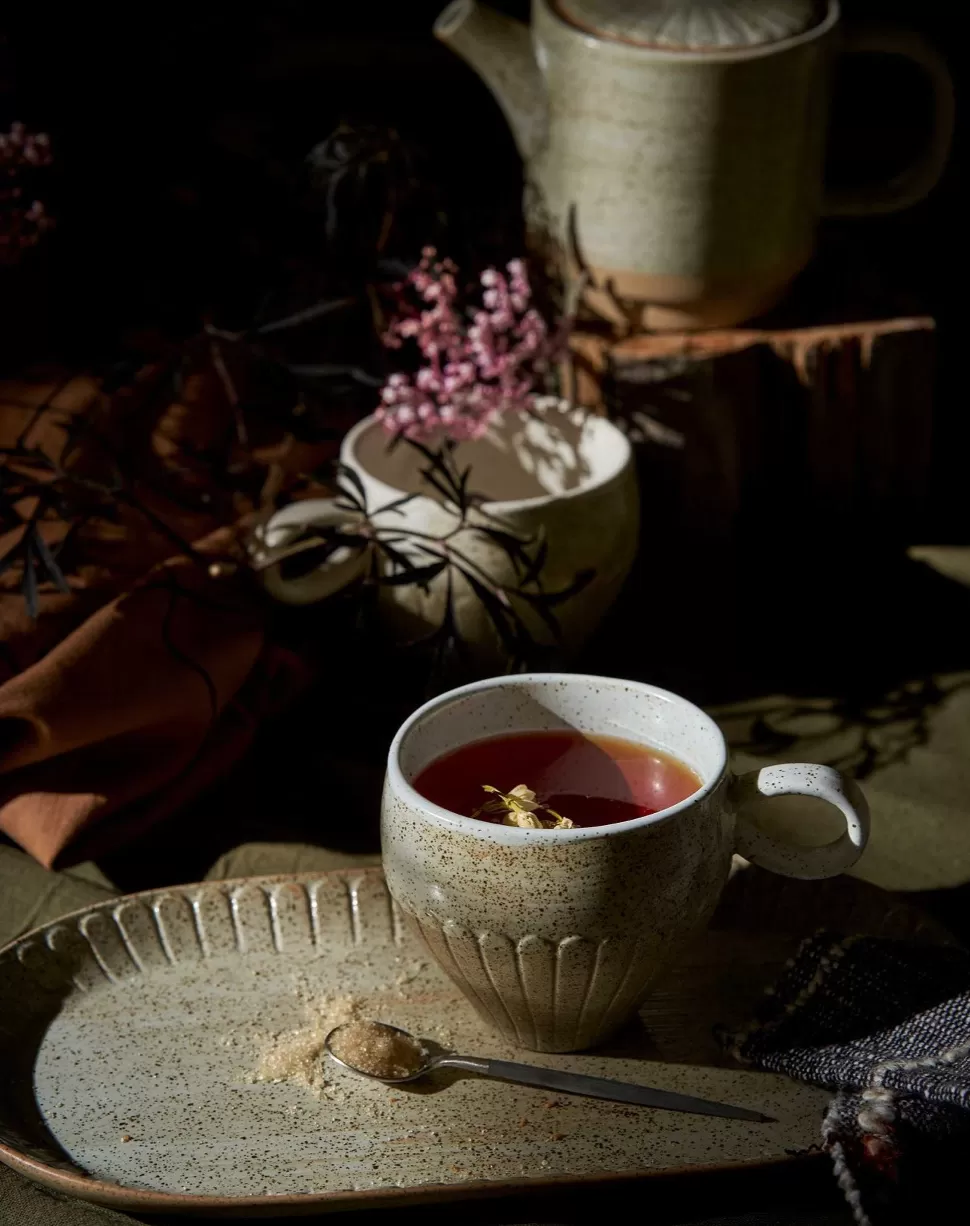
(130, 694)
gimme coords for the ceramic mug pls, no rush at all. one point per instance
(558, 472)
(556, 935)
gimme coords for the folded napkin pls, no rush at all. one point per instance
(887, 1026)
(145, 672)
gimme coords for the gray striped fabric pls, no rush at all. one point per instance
(887, 1026)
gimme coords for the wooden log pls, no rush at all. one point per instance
(800, 433)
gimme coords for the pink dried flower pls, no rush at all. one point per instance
(475, 367)
(22, 221)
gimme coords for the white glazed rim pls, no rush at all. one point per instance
(697, 56)
(515, 835)
(623, 460)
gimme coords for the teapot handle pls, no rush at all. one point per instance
(917, 180)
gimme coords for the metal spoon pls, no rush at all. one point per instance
(551, 1079)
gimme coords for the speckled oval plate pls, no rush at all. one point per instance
(158, 1053)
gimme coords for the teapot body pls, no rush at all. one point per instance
(686, 183)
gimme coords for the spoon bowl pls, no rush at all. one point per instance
(428, 1065)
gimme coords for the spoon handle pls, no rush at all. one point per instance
(598, 1087)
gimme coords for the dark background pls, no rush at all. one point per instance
(180, 130)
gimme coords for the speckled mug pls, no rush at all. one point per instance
(556, 935)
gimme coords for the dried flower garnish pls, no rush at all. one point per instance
(520, 808)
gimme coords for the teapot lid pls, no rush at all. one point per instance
(693, 25)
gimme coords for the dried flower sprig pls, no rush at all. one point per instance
(520, 808)
(23, 221)
(475, 366)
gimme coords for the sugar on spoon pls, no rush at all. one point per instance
(392, 1055)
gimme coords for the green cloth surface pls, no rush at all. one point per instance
(31, 895)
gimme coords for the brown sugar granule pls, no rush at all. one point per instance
(295, 1055)
(378, 1050)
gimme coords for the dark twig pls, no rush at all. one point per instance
(232, 395)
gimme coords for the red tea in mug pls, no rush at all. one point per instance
(591, 780)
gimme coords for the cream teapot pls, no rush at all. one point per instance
(674, 148)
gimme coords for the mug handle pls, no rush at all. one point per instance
(801, 779)
(273, 539)
(918, 180)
